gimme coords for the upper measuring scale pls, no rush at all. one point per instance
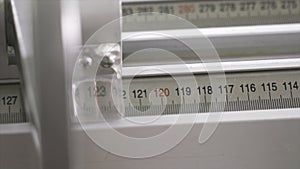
(217, 13)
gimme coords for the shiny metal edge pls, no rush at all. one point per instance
(214, 67)
(214, 32)
(9, 81)
(240, 116)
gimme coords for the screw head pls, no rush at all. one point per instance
(86, 61)
(108, 61)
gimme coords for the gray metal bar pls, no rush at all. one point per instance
(43, 63)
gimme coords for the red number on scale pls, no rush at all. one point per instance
(161, 92)
(187, 8)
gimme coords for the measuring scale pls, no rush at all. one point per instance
(11, 109)
(213, 13)
(242, 91)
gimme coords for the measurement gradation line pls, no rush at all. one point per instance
(12, 117)
(241, 105)
(143, 110)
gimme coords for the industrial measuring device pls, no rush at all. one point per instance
(238, 59)
(242, 93)
(248, 86)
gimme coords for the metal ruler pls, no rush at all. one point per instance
(162, 95)
(11, 110)
(213, 13)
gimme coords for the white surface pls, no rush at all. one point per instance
(18, 150)
(256, 140)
